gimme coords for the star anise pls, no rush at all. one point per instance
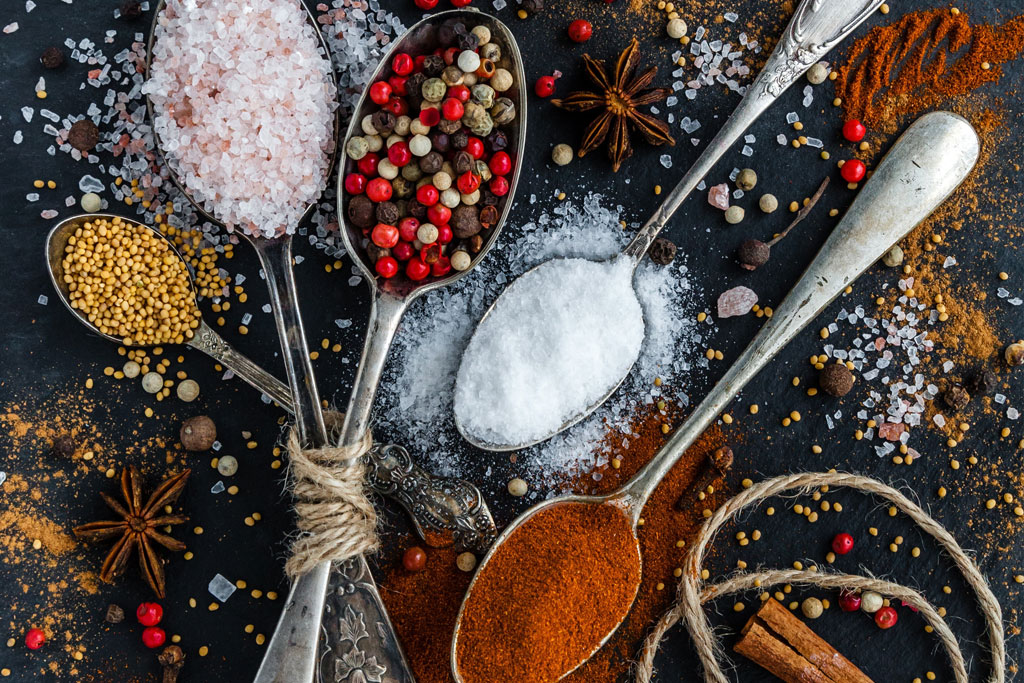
(138, 527)
(619, 93)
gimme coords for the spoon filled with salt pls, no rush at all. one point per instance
(596, 535)
(561, 339)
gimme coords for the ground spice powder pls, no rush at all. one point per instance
(549, 595)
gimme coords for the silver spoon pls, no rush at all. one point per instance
(443, 510)
(293, 651)
(815, 28)
(921, 170)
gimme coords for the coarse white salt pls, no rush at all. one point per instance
(244, 107)
(556, 341)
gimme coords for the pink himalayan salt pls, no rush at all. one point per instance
(890, 431)
(718, 196)
(244, 108)
(736, 301)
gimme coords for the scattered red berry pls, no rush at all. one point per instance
(380, 93)
(153, 636)
(407, 228)
(459, 92)
(499, 186)
(416, 270)
(500, 163)
(580, 31)
(444, 234)
(403, 251)
(399, 153)
(397, 84)
(886, 618)
(544, 86)
(475, 147)
(854, 130)
(460, 3)
(34, 639)
(849, 601)
(368, 164)
(397, 106)
(386, 267)
(441, 267)
(468, 182)
(842, 544)
(430, 253)
(414, 559)
(427, 195)
(402, 64)
(426, 4)
(378, 190)
(430, 116)
(384, 236)
(149, 613)
(439, 214)
(355, 183)
(452, 109)
(853, 171)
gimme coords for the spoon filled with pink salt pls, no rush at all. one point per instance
(559, 341)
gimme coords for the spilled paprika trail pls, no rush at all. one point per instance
(921, 61)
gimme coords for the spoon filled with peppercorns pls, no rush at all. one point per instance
(572, 563)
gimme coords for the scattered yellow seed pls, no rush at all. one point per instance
(884, 9)
(203, 651)
(657, 189)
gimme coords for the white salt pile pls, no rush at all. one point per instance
(556, 341)
(244, 106)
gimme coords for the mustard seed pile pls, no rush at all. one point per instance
(128, 282)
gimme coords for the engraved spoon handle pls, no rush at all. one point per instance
(212, 344)
(815, 28)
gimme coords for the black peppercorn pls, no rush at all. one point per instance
(488, 215)
(414, 89)
(441, 142)
(497, 141)
(383, 121)
(131, 9)
(956, 397)
(460, 139)
(463, 162)
(662, 252)
(449, 127)
(532, 6)
(361, 211)
(431, 162)
(982, 383)
(416, 210)
(488, 198)
(835, 379)
(376, 253)
(465, 222)
(467, 41)
(52, 58)
(403, 188)
(753, 254)
(114, 615)
(433, 65)
(387, 213)
(63, 446)
(83, 135)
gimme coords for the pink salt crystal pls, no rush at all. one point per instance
(890, 431)
(879, 343)
(48, 214)
(736, 301)
(718, 197)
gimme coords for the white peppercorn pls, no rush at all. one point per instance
(461, 260)
(562, 154)
(91, 202)
(392, 139)
(734, 214)
(871, 602)
(152, 382)
(518, 487)
(466, 561)
(768, 203)
(402, 125)
(893, 257)
(367, 125)
(442, 181)
(227, 465)
(471, 198)
(501, 80)
(482, 33)
(491, 51)
(356, 149)
(386, 169)
(188, 390)
(817, 73)
(419, 145)
(676, 28)
(427, 233)
(131, 369)
(469, 61)
(812, 608)
(451, 197)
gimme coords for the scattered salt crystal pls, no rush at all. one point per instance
(218, 487)
(731, 17)
(1012, 413)
(28, 112)
(32, 197)
(718, 196)
(88, 183)
(48, 214)
(749, 139)
(792, 117)
(221, 588)
(343, 323)
(18, 137)
(666, 161)
(747, 151)
(11, 28)
(3, 477)
(781, 139)
(43, 300)
(586, 318)
(950, 261)
(736, 301)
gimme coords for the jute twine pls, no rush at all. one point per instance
(692, 592)
(336, 520)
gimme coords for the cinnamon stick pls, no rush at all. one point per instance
(780, 642)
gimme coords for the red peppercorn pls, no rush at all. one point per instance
(426, 4)
(34, 639)
(368, 164)
(427, 195)
(468, 182)
(149, 613)
(450, 55)
(416, 270)
(397, 84)
(384, 236)
(460, 3)
(402, 251)
(444, 234)
(153, 636)
(544, 86)
(441, 267)
(439, 214)
(414, 559)
(355, 183)
(500, 163)
(407, 228)
(430, 116)
(475, 147)
(402, 64)
(499, 186)
(853, 171)
(430, 253)
(452, 109)
(854, 130)
(378, 190)
(399, 153)
(386, 267)
(380, 92)
(842, 544)
(886, 618)
(397, 106)
(459, 92)
(849, 601)
(580, 31)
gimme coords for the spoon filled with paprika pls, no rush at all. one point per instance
(561, 578)
(561, 339)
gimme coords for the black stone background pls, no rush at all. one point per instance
(45, 352)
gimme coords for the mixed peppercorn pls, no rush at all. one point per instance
(425, 180)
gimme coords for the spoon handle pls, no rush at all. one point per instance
(923, 167)
(212, 344)
(815, 28)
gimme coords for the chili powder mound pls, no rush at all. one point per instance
(921, 61)
(549, 595)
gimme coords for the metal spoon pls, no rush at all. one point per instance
(921, 170)
(815, 28)
(293, 651)
(444, 511)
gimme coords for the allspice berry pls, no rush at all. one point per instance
(1014, 354)
(753, 254)
(747, 179)
(893, 257)
(83, 135)
(956, 397)
(662, 251)
(817, 74)
(812, 608)
(63, 446)
(835, 379)
(198, 433)
(561, 154)
(768, 203)
(52, 58)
